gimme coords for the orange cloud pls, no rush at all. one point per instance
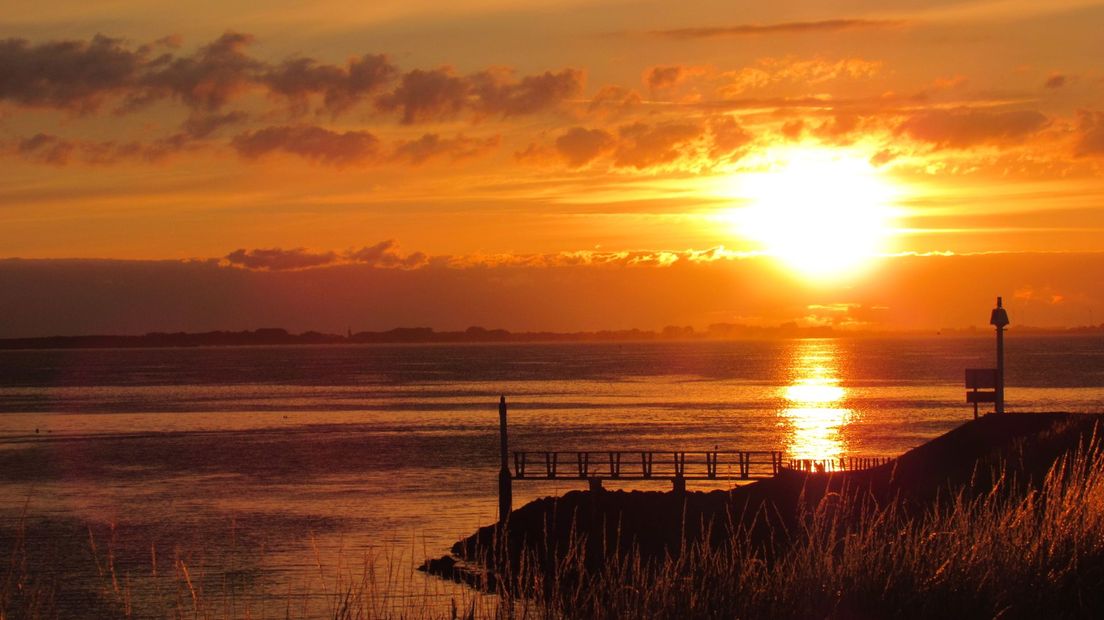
(1090, 133)
(426, 96)
(278, 259)
(205, 80)
(795, 27)
(498, 93)
(309, 142)
(791, 70)
(80, 75)
(729, 137)
(614, 99)
(666, 76)
(51, 149)
(299, 79)
(643, 145)
(431, 146)
(1056, 80)
(383, 255)
(579, 146)
(440, 94)
(72, 75)
(964, 127)
(203, 124)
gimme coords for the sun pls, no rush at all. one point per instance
(824, 213)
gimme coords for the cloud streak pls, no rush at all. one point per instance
(643, 145)
(310, 142)
(964, 128)
(79, 76)
(387, 255)
(340, 87)
(383, 255)
(440, 94)
(1090, 133)
(50, 149)
(431, 146)
(794, 27)
(70, 75)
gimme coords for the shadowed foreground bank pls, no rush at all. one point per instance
(1003, 516)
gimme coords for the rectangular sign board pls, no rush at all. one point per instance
(981, 397)
(981, 378)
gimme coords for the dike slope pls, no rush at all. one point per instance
(969, 459)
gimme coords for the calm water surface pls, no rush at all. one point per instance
(292, 462)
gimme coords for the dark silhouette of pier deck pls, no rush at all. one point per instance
(674, 466)
(730, 465)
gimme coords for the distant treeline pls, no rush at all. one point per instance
(419, 335)
(399, 335)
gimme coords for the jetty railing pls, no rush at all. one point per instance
(667, 465)
(673, 466)
(647, 465)
(847, 463)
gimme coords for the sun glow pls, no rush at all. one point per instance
(815, 409)
(824, 213)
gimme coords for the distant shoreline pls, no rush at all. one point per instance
(476, 335)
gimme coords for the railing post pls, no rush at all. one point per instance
(519, 465)
(505, 484)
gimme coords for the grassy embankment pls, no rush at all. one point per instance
(1001, 517)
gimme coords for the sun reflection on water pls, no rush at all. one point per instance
(813, 411)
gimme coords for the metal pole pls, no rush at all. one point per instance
(1000, 367)
(505, 483)
(999, 319)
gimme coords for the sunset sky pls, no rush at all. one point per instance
(549, 164)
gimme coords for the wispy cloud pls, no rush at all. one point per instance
(963, 128)
(79, 76)
(796, 27)
(383, 255)
(309, 142)
(388, 255)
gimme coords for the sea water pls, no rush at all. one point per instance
(286, 472)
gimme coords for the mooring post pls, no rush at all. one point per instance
(999, 319)
(678, 485)
(505, 483)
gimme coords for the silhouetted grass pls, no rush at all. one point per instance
(1017, 551)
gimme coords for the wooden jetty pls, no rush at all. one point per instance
(677, 467)
(647, 465)
(734, 465)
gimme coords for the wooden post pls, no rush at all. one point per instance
(505, 484)
(678, 484)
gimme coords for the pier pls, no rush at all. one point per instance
(647, 465)
(734, 465)
(674, 466)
